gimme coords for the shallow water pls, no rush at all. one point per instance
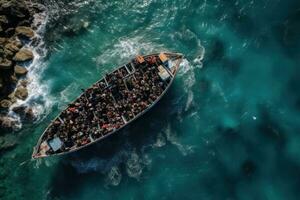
(227, 129)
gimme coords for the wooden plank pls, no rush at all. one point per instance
(132, 67)
(124, 120)
(105, 81)
(127, 69)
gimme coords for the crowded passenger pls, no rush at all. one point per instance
(109, 104)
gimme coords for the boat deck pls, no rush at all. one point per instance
(110, 104)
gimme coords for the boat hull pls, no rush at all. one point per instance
(176, 62)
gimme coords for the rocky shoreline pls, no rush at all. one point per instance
(17, 32)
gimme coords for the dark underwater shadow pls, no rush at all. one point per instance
(138, 136)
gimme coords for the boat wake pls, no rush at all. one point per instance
(99, 164)
(125, 48)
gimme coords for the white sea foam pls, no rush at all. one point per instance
(38, 98)
(160, 141)
(114, 176)
(173, 139)
(187, 71)
(200, 56)
(140, 4)
(43, 162)
(146, 160)
(100, 164)
(189, 100)
(125, 48)
(66, 94)
(134, 168)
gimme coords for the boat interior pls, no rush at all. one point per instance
(110, 104)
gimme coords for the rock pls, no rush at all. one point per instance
(24, 82)
(18, 14)
(38, 7)
(12, 97)
(11, 47)
(13, 79)
(5, 64)
(3, 19)
(21, 93)
(29, 114)
(2, 40)
(9, 32)
(19, 110)
(8, 54)
(24, 31)
(14, 8)
(15, 41)
(25, 112)
(20, 71)
(24, 23)
(5, 103)
(23, 55)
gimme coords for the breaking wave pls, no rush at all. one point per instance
(38, 92)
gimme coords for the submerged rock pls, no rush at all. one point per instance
(20, 71)
(29, 114)
(23, 55)
(7, 141)
(25, 112)
(24, 31)
(19, 109)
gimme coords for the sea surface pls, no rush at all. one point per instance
(228, 129)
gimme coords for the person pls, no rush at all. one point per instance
(102, 108)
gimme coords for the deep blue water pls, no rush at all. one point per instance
(229, 128)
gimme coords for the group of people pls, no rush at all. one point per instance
(108, 105)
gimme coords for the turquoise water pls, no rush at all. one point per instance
(227, 129)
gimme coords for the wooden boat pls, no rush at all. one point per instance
(110, 104)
